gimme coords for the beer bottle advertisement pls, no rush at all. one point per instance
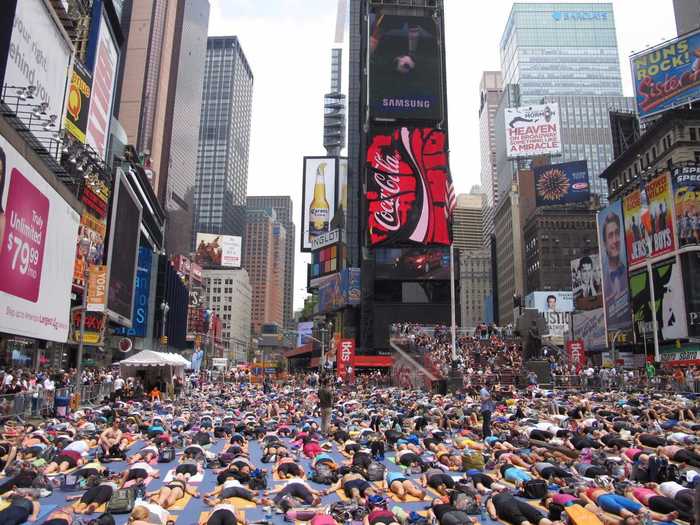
(319, 211)
(320, 198)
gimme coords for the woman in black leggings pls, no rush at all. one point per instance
(20, 510)
(224, 515)
(506, 507)
(93, 498)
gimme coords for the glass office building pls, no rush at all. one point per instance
(567, 53)
(561, 49)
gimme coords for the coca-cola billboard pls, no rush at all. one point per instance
(409, 189)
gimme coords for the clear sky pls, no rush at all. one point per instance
(288, 44)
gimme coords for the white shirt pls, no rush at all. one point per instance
(670, 488)
(48, 384)
(231, 483)
(143, 465)
(8, 379)
(118, 383)
(156, 514)
(78, 446)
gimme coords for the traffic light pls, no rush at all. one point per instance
(164, 340)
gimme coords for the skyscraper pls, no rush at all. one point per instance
(490, 90)
(283, 207)
(468, 223)
(561, 49)
(160, 98)
(334, 108)
(264, 258)
(687, 14)
(224, 139)
(565, 53)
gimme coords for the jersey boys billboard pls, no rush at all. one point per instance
(532, 131)
(409, 188)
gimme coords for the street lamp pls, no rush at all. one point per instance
(87, 251)
(328, 329)
(164, 308)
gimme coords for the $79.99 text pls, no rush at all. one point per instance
(23, 254)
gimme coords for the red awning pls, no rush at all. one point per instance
(373, 361)
(301, 350)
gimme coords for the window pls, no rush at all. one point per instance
(693, 134)
(697, 156)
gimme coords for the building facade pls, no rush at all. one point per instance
(561, 49)
(553, 236)
(283, 207)
(179, 155)
(687, 14)
(230, 295)
(474, 286)
(264, 257)
(224, 139)
(490, 92)
(509, 255)
(468, 222)
(163, 38)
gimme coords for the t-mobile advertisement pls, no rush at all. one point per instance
(36, 261)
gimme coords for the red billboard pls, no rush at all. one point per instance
(577, 354)
(409, 188)
(345, 358)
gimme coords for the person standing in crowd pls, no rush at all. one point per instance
(325, 403)
(486, 409)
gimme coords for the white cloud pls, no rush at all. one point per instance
(288, 44)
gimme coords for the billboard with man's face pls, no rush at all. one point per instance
(586, 283)
(405, 67)
(613, 259)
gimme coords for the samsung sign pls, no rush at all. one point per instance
(579, 16)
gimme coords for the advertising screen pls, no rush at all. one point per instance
(319, 198)
(691, 278)
(640, 295)
(104, 76)
(326, 260)
(590, 327)
(39, 56)
(405, 67)
(94, 229)
(548, 301)
(408, 264)
(409, 188)
(78, 103)
(660, 197)
(532, 131)
(124, 236)
(670, 300)
(37, 228)
(613, 259)
(216, 251)
(586, 283)
(637, 225)
(667, 76)
(564, 183)
(305, 330)
(143, 285)
(686, 190)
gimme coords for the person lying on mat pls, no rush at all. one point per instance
(379, 514)
(149, 453)
(138, 472)
(505, 506)
(655, 501)
(65, 461)
(401, 486)
(354, 485)
(438, 480)
(93, 497)
(20, 510)
(61, 516)
(296, 488)
(148, 514)
(288, 468)
(483, 483)
(620, 505)
(223, 514)
(169, 494)
(447, 514)
(231, 488)
(512, 474)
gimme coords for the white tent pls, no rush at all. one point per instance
(155, 364)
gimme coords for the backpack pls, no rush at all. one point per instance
(122, 501)
(324, 474)
(534, 489)
(72, 483)
(657, 469)
(166, 455)
(473, 461)
(672, 473)
(464, 502)
(257, 480)
(375, 471)
(103, 519)
(343, 511)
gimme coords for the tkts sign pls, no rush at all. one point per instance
(409, 188)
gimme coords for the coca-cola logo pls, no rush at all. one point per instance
(388, 214)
